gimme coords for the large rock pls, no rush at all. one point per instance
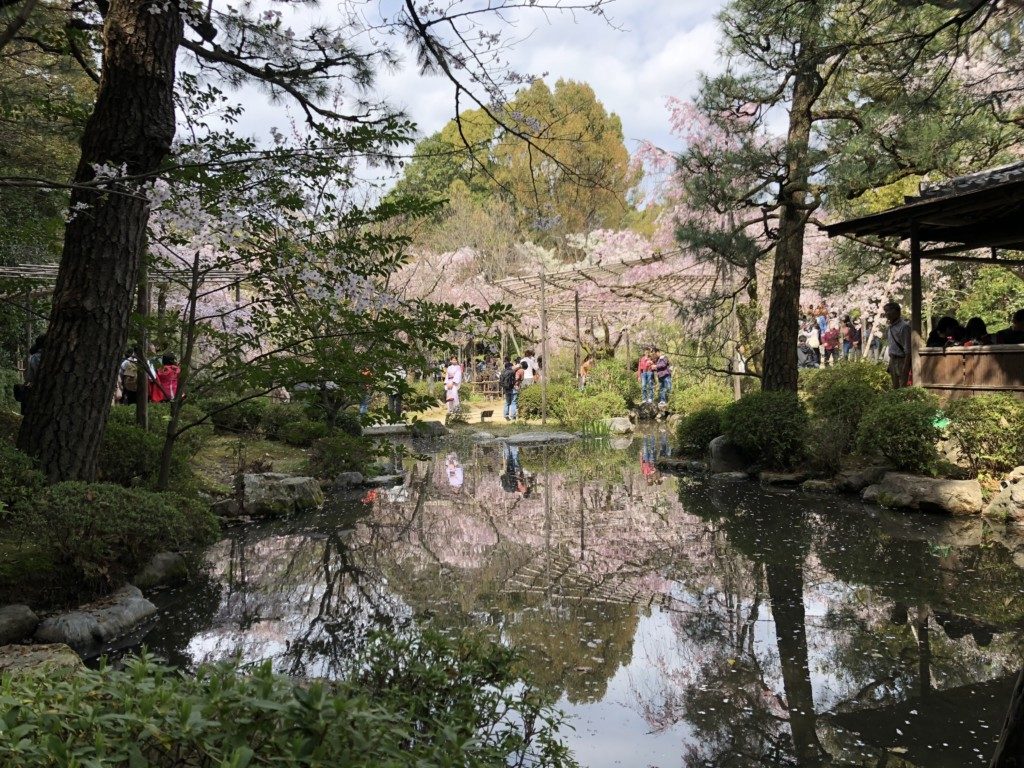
(348, 480)
(384, 481)
(856, 480)
(726, 456)
(164, 569)
(271, 494)
(428, 429)
(619, 425)
(97, 623)
(819, 486)
(45, 658)
(17, 622)
(680, 464)
(1008, 504)
(783, 479)
(540, 438)
(927, 494)
(386, 430)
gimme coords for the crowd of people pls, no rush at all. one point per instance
(949, 333)
(825, 338)
(156, 379)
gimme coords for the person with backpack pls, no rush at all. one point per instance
(164, 387)
(130, 379)
(507, 383)
(35, 360)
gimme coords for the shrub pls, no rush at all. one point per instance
(130, 456)
(277, 416)
(770, 427)
(340, 452)
(100, 534)
(189, 443)
(10, 423)
(530, 398)
(841, 394)
(989, 430)
(19, 478)
(576, 410)
(614, 376)
(427, 701)
(349, 423)
(686, 400)
(8, 378)
(302, 433)
(697, 429)
(900, 428)
(246, 416)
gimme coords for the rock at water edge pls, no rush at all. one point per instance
(98, 622)
(46, 658)
(927, 494)
(272, 494)
(17, 622)
(785, 479)
(1008, 504)
(619, 425)
(165, 568)
(726, 456)
(540, 438)
(819, 486)
(384, 481)
(856, 480)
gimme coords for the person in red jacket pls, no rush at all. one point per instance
(165, 387)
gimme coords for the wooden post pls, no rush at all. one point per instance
(544, 350)
(629, 354)
(28, 324)
(141, 351)
(916, 306)
(577, 355)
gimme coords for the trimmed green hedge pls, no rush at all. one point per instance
(769, 427)
(697, 429)
(99, 534)
(900, 429)
(989, 430)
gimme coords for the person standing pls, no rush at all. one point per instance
(851, 339)
(452, 382)
(584, 372)
(165, 386)
(532, 368)
(810, 330)
(805, 357)
(35, 360)
(899, 337)
(507, 382)
(830, 343)
(663, 371)
(135, 378)
(645, 372)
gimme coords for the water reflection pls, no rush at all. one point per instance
(681, 622)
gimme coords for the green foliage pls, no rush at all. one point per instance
(19, 479)
(277, 416)
(697, 429)
(572, 408)
(989, 430)
(130, 456)
(340, 452)
(709, 394)
(840, 395)
(425, 701)
(246, 416)
(188, 443)
(770, 427)
(613, 376)
(994, 295)
(302, 434)
(8, 378)
(900, 428)
(10, 423)
(99, 534)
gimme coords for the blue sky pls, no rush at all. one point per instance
(652, 49)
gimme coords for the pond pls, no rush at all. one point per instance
(678, 622)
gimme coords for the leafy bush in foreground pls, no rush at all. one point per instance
(302, 434)
(770, 427)
(900, 428)
(421, 702)
(340, 452)
(989, 430)
(19, 479)
(711, 394)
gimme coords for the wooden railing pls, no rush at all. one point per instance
(956, 372)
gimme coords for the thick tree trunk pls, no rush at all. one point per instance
(780, 372)
(130, 132)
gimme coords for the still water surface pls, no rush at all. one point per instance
(678, 622)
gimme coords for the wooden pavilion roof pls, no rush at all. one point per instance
(980, 210)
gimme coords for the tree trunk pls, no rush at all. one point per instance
(780, 372)
(130, 131)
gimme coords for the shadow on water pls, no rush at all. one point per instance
(680, 621)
